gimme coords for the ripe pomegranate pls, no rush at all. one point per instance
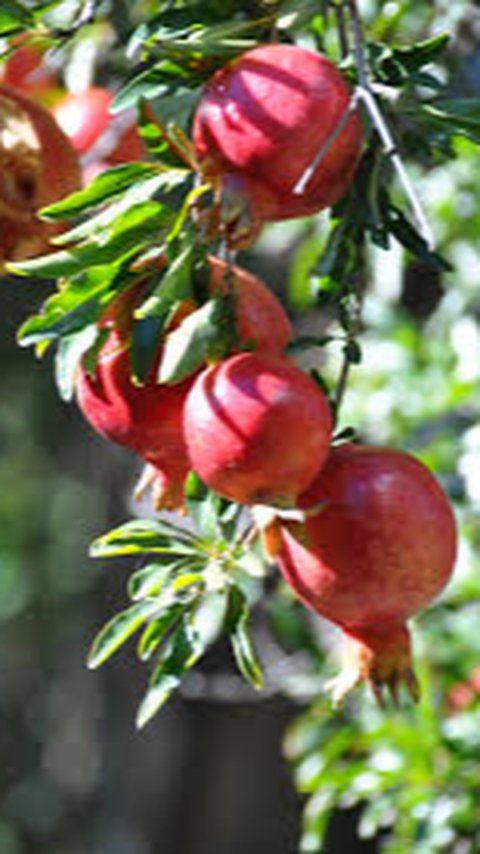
(38, 166)
(103, 139)
(259, 125)
(148, 418)
(256, 427)
(379, 547)
(25, 68)
(145, 418)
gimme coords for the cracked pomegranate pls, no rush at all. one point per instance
(379, 547)
(38, 166)
(261, 122)
(256, 428)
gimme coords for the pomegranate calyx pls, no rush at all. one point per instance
(382, 659)
(268, 521)
(166, 493)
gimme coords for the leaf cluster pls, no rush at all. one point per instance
(191, 589)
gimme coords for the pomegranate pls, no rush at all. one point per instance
(379, 547)
(103, 139)
(84, 116)
(256, 428)
(145, 418)
(26, 68)
(38, 166)
(260, 124)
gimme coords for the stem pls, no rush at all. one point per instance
(359, 293)
(342, 29)
(365, 93)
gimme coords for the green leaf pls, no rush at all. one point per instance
(461, 116)
(237, 625)
(74, 307)
(180, 654)
(409, 237)
(294, 14)
(104, 187)
(157, 630)
(418, 55)
(205, 507)
(144, 535)
(147, 85)
(158, 132)
(14, 16)
(187, 348)
(173, 285)
(69, 352)
(118, 630)
(151, 579)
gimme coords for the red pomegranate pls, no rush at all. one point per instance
(260, 124)
(103, 139)
(144, 418)
(26, 68)
(38, 166)
(378, 549)
(84, 116)
(256, 427)
(148, 418)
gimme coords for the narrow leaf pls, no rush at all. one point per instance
(187, 348)
(179, 655)
(104, 187)
(144, 536)
(157, 630)
(70, 351)
(117, 631)
(237, 625)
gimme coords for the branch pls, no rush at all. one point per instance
(365, 93)
(359, 293)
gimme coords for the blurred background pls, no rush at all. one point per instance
(222, 769)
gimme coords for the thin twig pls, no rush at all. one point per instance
(359, 293)
(342, 30)
(305, 177)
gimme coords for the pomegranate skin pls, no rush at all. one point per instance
(379, 549)
(84, 116)
(256, 428)
(144, 418)
(261, 122)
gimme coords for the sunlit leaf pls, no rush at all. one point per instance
(181, 652)
(237, 625)
(118, 630)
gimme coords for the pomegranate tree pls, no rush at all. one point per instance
(377, 546)
(260, 124)
(38, 166)
(256, 428)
